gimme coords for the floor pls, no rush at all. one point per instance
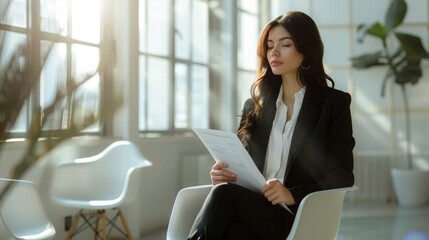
(372, 221)
(384, 222)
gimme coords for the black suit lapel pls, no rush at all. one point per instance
(310, 111)
(261, 136)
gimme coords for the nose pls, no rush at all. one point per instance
(274, 51)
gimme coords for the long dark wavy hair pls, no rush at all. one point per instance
(307, 41)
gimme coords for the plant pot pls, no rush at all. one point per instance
(411, 186)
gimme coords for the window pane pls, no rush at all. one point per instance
(367, 97)
(142, 26)
(249, 5)
(182, 32)
(181, 96)
(54, 74)
(276, 8)
(10, 45)
(200, 32)
(85, 61)
(142, 94)
(200, 95)
(59, 119)
(158, 26)
(16, 14)
(247, 41)
(86, 20)
(158, 94)
(52, 79)
(86, 104)
(11, 42)
(53, 16)
(21, 122)
(245, 80)
(180, 102)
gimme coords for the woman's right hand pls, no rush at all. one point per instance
(219, 174)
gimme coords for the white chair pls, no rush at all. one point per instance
(22, 213)
(318, 216)
(186, 207)
(99, 183)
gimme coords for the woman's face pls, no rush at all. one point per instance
(281, 53)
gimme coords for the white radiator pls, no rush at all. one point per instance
(372, 176)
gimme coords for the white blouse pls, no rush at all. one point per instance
(281, 137)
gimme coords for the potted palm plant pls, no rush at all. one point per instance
(403, 68)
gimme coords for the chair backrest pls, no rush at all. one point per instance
(22, 213)
(319, 215)
(186, 206)
(109, 178)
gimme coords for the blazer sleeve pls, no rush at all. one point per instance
(339, 171)
(326, 162)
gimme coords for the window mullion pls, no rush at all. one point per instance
(171, 59)
(67, 111)
(33, 40)
(190, 64)
(145, 114)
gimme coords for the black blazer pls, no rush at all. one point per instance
(320, 155)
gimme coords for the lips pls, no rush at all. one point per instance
(275, 63)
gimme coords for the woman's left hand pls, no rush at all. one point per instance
(276, 193)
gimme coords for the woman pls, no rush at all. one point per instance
(296, 128)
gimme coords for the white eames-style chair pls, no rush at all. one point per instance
(318, 216)
(99, 183)
(22, 215)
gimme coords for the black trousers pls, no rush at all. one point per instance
(235, 212)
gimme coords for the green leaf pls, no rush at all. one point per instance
(412, 45)
(367, 60)
(410, 73)
(377, 30)
(395, 14)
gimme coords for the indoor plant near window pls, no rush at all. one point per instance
(403, 68)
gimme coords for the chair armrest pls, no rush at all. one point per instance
(186, 207)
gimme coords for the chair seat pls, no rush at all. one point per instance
(318, 216)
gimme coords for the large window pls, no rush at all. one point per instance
(173, 65)
(70, 29)
(248, 14)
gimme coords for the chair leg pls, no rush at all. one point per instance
(99, 216)
(104, 224)
(124, 223)
(74, 224)
(97, 221)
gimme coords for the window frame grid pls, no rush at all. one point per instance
(172, 60)
(34, 34)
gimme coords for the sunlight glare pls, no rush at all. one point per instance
(86, 20)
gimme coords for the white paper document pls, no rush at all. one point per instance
(226, 147)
